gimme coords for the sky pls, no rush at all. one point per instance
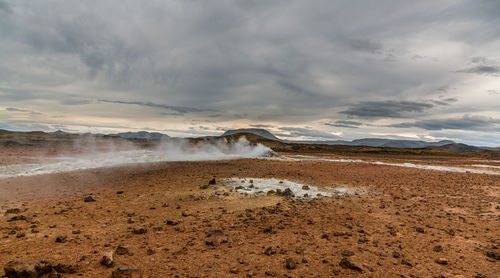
(305, 70)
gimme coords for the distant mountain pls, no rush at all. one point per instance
(141, 135)
(384, 143)
(368, 142)
(59, 132)
(456, 147)
(257, 131)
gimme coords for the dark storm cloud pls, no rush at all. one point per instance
(179, 109)
(386, 109)
(465, 123)
(482, 65)
(345, 124)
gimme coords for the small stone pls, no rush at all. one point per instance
(268, 229)
(442, 261)
(288, 192)
(212, 181)
(346, 263)
(120, 250)
(406, 262)
(186, 213)
(270, 251)
(127, 273)
(172, 222)
(271, 273)
(205, 186)
(347, 253)
(119, 192)
(233, 270)
(107, 259)
(396, 254)
(271, 193)
(493, 254)
(437, 248)
(61, 239)
(150, 251)
(290, 263)
(89, 199)
(13, 211)
(17, 218)
(139, 230)
(305, 187)
(420, 230)
(215, 237)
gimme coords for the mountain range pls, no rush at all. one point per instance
(367, 142)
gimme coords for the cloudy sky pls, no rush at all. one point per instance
(310, 69)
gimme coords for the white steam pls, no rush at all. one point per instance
(171, 150)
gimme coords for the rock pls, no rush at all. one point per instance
(13, 211)
(305, 187)
(270, 251)
(420, 230)
(493, 254)
(271, 273)
(396, 254)
(139, 230)
(19, 269)
(119, 192)
(268, 229)
(406, 262)
(234, 270)
(172, 222)
(215, 237)
(127, 273)
(271, 193)
(205, 186)
(17, 218)
(107, 259)
(288, 192)
(211, 182)
(347, 253)
(89, 199)
(346, 263)
(15, 269)
(290, 263)
(61, 239)
(120, 250)
(442, 261)
(437, 248)
(186, 213)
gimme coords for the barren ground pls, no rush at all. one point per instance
(391, 231)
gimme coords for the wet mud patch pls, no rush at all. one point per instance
(283, 187)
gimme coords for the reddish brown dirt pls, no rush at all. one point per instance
(392, 230)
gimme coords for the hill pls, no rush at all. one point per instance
(141, 135)
(257, 131)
